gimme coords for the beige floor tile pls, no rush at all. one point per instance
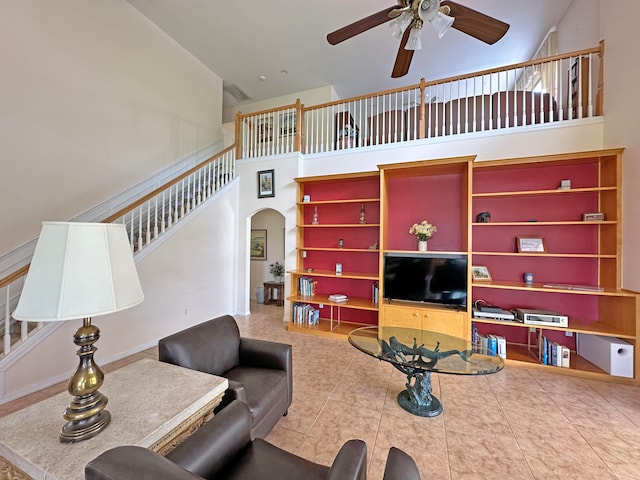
(519, 423)
(618, 450)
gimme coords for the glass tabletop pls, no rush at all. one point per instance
(425, 351)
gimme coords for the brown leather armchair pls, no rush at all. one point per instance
(400, 466)
(223, 449)
(259, 371)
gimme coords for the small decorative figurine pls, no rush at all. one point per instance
(362, 217)
(341, 243)
(314, 220)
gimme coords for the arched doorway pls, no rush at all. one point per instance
(266, 248)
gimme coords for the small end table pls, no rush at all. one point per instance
(274, 293)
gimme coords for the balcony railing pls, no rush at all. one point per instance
(546, 91)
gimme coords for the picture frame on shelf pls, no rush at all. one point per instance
(531, 244)
(265, 184)
(480, 273)
(258, 248)
(593, 217)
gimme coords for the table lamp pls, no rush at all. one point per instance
(81, 270)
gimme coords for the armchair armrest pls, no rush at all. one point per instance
(266, 354)
(134, 463)
(350, 463)
(211, 448)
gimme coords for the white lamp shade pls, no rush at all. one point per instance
(414, 42)
(79, 270)
(399, 24)
(441, 23)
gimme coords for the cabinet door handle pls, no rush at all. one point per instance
(415, 314)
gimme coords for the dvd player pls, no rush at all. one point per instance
(541, 317)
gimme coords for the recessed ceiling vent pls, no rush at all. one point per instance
(236, 92)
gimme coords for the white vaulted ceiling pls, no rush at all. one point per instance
(242, 41)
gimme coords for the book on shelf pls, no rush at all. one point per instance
(553, 353)
(502, 346)
(307, 286)
(494, 345)
(375, 290)
(338, 297)
(566, 357)
(304, 314)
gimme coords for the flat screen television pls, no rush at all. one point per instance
(426, 277)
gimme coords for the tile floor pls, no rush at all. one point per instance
(516, 424)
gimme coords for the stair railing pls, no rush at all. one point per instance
(145, 219)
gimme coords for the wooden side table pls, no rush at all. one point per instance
(274, 293)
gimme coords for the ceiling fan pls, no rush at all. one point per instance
(408, 17)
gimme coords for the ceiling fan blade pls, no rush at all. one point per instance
(360, 26)
(403, 59)
(476, 24)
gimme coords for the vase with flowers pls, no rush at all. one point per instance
(277, 270)
(423, 232)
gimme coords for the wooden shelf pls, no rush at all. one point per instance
(539, 287)
(346, 200)
(336, 249)
(339, 225)
(575, 326)
(331, 273)
(555, 223)
(355, 303)
(428, 252)
(534, 254)
(543, 192)
(324, 328)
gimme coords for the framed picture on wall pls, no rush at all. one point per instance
(265, 184)
(265, 130)
(258, 244)
(287, 124)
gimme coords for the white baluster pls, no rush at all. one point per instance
(7, 322)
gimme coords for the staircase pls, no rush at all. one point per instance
(147, 221)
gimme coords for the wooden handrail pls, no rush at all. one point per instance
(301, 109)
(12, 277)
(165, 186)
(424, 84)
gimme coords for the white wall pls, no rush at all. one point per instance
(189, 279)
(95, 98)
(284, 202)
(619, 26)
(315, 96)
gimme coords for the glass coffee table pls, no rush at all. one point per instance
(417, 353)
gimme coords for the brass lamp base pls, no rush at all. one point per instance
(86, 413)
(86, 420)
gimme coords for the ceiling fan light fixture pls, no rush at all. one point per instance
(441, 23)
(399, 24)
(414, 42)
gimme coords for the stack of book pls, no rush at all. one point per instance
(375, 289)
(552, 353)
(495, 345)
(338, 297)
(307, 286)
(304, 314)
